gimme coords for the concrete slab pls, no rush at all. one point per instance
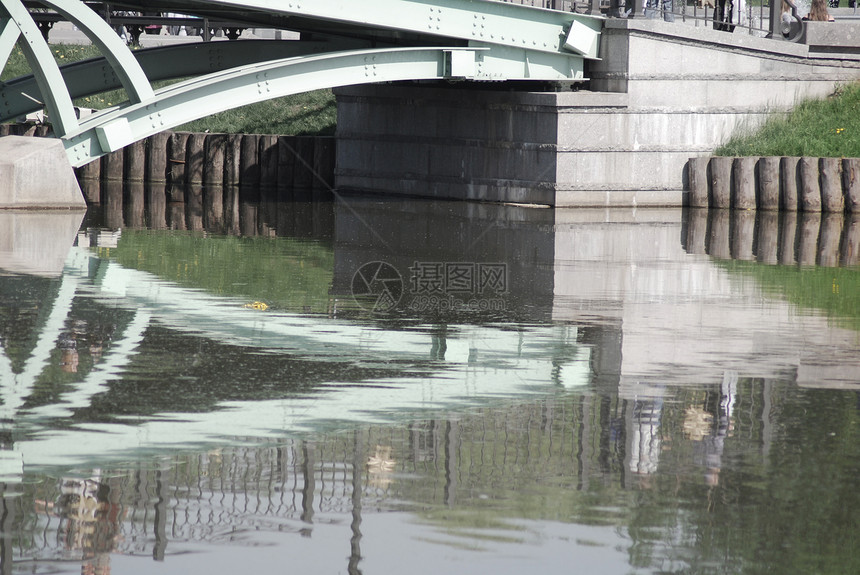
(35, 173)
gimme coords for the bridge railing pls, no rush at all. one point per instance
(578, 6)
(755, 17)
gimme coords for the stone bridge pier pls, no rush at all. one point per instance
(660, 94)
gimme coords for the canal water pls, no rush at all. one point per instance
(358, 384)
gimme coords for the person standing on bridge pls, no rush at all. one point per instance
(728, 14)
(818, 12)
(655, 7)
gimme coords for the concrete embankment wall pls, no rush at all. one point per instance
(661, 93)
(182, 158)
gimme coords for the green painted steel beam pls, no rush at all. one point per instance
(185, 101)
(109, 44)
(497, 23)
(52, 95)
(8, 37)
(95, 75)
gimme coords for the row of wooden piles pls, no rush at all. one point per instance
(806, 184)
(187, 158)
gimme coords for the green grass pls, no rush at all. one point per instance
(822, 128)
(311, 113)
(307, 114)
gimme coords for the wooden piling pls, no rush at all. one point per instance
(249, 161)
(176, 157)
(831, 185)
(829, 239)
(789, 183)
(215, 149)
(232, 155)
(324, 160)
(175, 193)
(231, 210)
(194, 158)
(718, 234)
(269, 161)
(156, 157)
(697, 176)
(156, 200)
(743, 183)
(286, 160)
(135, 161)
(697, 230)
(194, 204)
(112, 201)
(112, 166)
(134, 204)
(91, 190)
(248, 212)
(721, 178)
(213, 207)
(768, 183)
(807, 245)
(303, 175)
(810, 189)
(176, 216)
(742, 234)
(91, 171)
(767, 237)
(851, 184)
(851, 241)
(787, 238)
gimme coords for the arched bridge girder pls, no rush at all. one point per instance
(182, 102)
(499, 23)
(95, 75)
(54, 97)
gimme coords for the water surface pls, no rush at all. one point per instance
(369, 385)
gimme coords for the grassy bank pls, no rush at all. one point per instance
(827, 128)
(311, 113)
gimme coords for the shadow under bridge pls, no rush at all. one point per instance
(372, 41)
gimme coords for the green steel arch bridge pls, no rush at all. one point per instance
(343, 42)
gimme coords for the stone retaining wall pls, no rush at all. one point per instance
(805, 184)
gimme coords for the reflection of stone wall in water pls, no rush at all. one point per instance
(418, 238)
(688, 314)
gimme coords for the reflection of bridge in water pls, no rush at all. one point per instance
(666, 344)
(599, 302)
(570, 445)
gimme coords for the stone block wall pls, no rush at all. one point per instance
(661, 93)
